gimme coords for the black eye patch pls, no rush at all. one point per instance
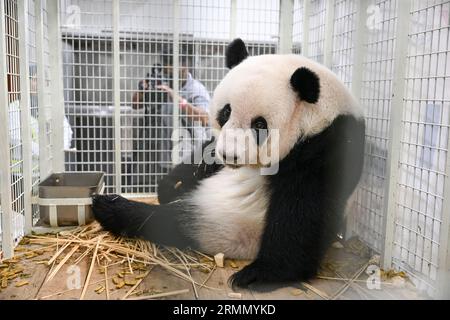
(223, 115)
(259, 130)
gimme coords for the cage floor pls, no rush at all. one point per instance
(343, 276)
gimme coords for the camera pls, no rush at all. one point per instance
(153, 78)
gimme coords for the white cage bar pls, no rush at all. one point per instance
(5, 177)
(392, 54)
(22, 8)
(421, 224)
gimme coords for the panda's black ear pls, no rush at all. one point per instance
(307, 84)
(235, 53)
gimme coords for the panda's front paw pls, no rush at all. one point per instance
(113, 212)
(254, 273)
(169, 190)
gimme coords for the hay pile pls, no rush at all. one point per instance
(117, 266)
(136, 258)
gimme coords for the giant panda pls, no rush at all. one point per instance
(283, 221)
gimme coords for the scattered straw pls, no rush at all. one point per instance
(86, 284)
(161, 295)
(63, 261)
(350, 282)
(135, 286)
(208, 277)
(320, 293)
(106, 283)
(136, 258)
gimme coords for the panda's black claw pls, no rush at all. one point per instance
(254, 273)
(112, 212)
(99, 198)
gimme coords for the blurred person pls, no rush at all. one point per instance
(193, 97)
(156, 96)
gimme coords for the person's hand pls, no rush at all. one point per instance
(165, 88)
(184, 105)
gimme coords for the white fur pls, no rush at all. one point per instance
(230, 208)
(260, 86)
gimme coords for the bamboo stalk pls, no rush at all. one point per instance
(84, 254)
(63, 261)
(56, 255)
(184, 261)
(320, 293)
(106, 283)
(161, 295)
(86, 283)
(129, 264)
(350, 279)
(208, 277)
(347, 284)
(204, 255)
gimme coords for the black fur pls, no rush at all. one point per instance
(235, 53)
(307, 84)
(159, 224)
(307, 200)
(185, 177)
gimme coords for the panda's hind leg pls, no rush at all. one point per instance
(161, 224)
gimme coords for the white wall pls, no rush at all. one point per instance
(256, 20)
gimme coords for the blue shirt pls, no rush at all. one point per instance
(196, 94)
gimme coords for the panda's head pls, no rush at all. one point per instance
(269, 102)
